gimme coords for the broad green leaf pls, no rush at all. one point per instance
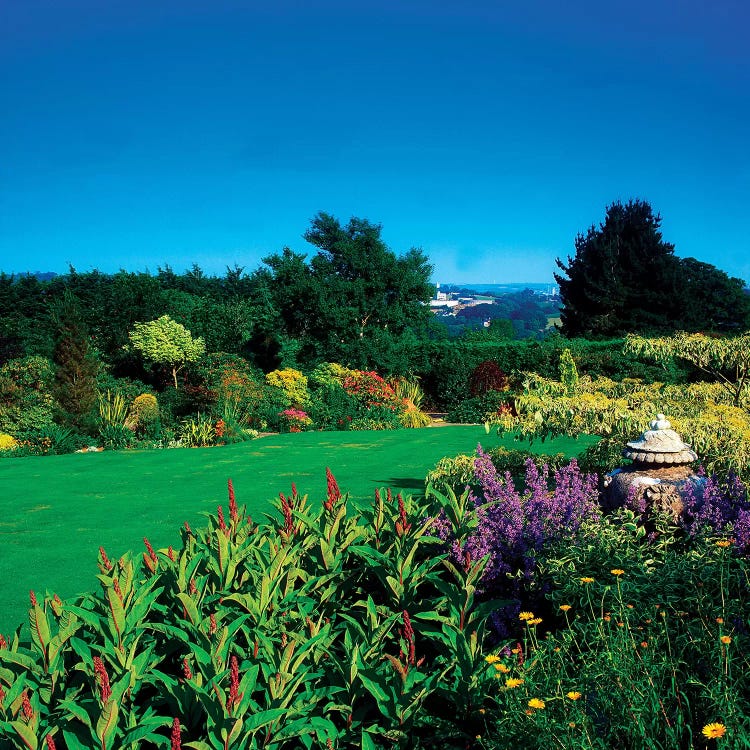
(190, 608)
(107, 724)
(39, 628)
(26, 733)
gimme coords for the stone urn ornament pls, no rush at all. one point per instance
(659, 474)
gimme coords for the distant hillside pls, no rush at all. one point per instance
(39, 275)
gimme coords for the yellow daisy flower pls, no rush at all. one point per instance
(617, 572)
(725, 639)
(491, 658)
(525, 615)
(536, 703)
(574, 695)
(535, 621)
(723, 543)
(502, 668)
(513, 682)
(714, 730)
(565, 607)
(587, 579)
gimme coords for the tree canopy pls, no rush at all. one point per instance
(165, 342)
(355, 298)
(625, 278)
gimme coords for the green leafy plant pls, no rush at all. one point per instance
(197, 432)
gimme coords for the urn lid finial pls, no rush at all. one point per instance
(660, 445)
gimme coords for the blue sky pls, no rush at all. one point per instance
(137, 134)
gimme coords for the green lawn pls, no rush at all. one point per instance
(55, 511)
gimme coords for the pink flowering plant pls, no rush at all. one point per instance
(295, 420)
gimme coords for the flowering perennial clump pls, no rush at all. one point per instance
(513, 526)
(715, 504)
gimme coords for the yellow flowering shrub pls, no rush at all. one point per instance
(143, 411)
(7, 442)
(292, 384)
(702, 413)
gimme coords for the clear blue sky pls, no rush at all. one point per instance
(139, 133)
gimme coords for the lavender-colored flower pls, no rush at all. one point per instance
(513, 527)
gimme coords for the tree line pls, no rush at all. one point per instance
(357, 302)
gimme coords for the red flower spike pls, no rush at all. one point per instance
(170, 553)
(188, 529)
(286, 510)
(408, 633)
(234, 684)
(118, 590)
(3, 642)
(50, 740)
(294, 491)
(32, 598)
(333, 492)
(222, 522)
(28, 711)
(233, 512)
(2, 696)
(105, 692)
(193, 587)
(176, 736)
(105, 560)
(405, 526)
(212, 626)
(186, 669)
(150, 549)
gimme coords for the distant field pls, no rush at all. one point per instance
(55, 511)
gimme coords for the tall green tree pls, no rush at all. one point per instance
(625, 278)
(622, 277)
(356, 301)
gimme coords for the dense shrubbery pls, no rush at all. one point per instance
(321, 625)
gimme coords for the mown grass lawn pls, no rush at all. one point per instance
(56, 511)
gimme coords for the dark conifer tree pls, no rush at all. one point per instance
(624, 278)
(76, 363)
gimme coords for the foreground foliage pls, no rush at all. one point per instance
(321, 625)
(328, 626)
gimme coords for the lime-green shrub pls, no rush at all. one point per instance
(143, 415)
(702, 413)
(411, 395)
